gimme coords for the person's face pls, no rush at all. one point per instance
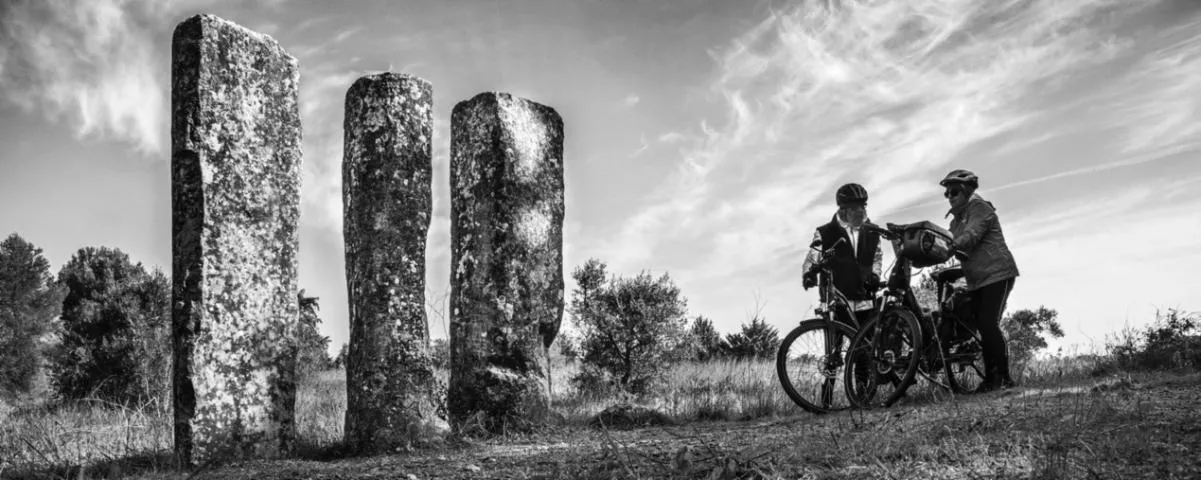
(956, 194)
(854, 214)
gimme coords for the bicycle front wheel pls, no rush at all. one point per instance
(883, 359)
(809, 364)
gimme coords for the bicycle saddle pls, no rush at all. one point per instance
(948, 275)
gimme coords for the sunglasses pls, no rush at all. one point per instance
(952, 192)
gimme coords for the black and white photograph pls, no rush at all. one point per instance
(600, 239)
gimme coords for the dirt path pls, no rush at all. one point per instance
(1148, 427)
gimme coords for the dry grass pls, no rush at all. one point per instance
(111, 440)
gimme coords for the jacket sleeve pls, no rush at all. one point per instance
(811, 256)
(878, 262)
(979, 216)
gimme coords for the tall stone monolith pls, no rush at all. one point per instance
(506, 231)
(235, 198)
(392, 396)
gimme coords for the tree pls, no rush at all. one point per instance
(1025, 329)
(30, 302)
(628, 327)
(313, 347)
(115, 337)
(340, 360)
(756, 341)
(706, 343)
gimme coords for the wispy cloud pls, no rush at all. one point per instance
(817, 96)
(894, 94)
(97, 66)
(631, 100)
(92, 65)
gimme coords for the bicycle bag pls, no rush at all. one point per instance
(926, 244)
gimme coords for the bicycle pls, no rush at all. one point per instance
(831, 336)
(904, 340)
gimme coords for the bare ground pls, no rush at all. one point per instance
(1118, 427)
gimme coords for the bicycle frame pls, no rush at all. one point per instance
(899, 294)
(829, 296)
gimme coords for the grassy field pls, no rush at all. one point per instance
(118, 439)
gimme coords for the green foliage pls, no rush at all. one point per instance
(628, 326)
(1170, 341)
(313, 347)
(115, 339)
(30, 302)
(1025, 330)
(757, 340)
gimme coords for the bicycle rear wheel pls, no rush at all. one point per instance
(965, 361)
(883, 359)
(809, 364)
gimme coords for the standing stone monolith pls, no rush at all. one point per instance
(506, 259)
(235, 199)
(393, 398)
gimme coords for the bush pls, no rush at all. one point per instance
(757, 341)
(115, 340)
(1169, 342)
(628, 327)
(704, 341)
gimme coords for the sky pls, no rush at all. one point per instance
(703, 138)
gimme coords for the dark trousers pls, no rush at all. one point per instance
(989, 302)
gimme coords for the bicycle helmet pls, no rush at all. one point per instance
(962, 177)
(851, 194)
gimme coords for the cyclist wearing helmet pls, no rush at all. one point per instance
(857, 260)
(988, 267)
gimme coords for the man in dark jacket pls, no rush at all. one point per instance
(988, 267)
(856, 260)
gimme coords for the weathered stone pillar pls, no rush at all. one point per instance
(392, 396)
(506, 259)
(235, 198)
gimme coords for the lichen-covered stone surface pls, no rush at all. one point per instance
(507, 259)
(235, 172)
(392, 396)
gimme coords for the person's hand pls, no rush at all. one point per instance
(809, 279)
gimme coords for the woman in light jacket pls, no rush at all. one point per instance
(988, 267)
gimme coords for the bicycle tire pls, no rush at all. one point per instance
(843, 333)
(893, 322)
(974, 348)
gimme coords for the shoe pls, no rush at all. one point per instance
(994, 386)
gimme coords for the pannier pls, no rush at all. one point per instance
(925, 244)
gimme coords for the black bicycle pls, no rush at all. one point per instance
(905, 340)
(809, 361)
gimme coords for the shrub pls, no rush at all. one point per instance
(1169, 342)
(115, 339)
(628, 327)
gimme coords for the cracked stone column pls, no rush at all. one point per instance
(235, 199)
(506, 259)
(392, 396)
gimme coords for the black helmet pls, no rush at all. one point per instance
(851, 193)
(963, 177)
